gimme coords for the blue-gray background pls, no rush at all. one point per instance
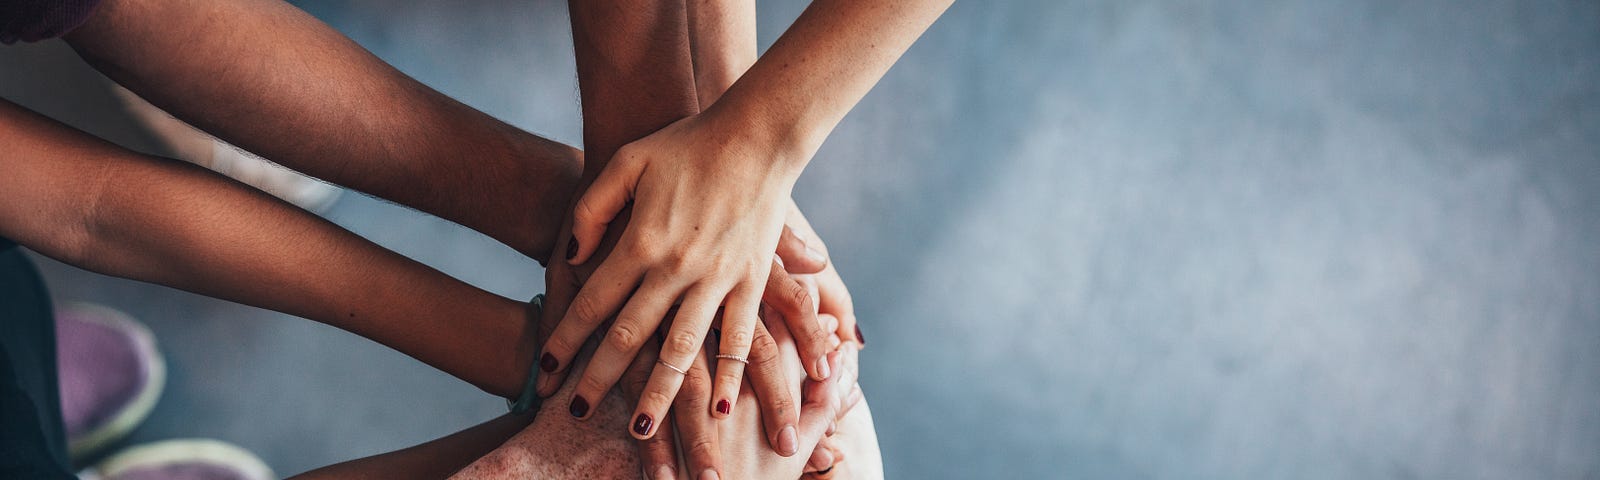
(1109, 239)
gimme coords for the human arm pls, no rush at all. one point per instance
(271, 79)
(636, 76)
(722, 36)
(88, 203)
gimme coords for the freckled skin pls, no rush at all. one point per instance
(558, 446)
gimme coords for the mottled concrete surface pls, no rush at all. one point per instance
(1117, 239)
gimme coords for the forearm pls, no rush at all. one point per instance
(433, 460)
(91, 204)
(722, 37)
(822, 65)
(271, 79)
(634, 72)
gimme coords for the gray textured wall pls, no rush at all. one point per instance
(1115, 239)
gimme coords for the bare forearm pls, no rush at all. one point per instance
(817, 71)
(269, 78)
(634, 72)
(722, 36)
(94, 205)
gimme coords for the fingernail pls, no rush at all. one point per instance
(641, 424)
(709, 474)
(548, 363)
(822, 368)
(814, 254)
(860, 339)
(723, 407)
(788, 442)
(572, 248)
(579, 407)
(664, 472)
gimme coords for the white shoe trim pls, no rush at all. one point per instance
(137, 410)
(188, 450)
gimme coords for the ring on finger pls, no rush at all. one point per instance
(736, 358)
(673, 368)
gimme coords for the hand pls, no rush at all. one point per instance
(832, 296)
(783, 295)
(824, 405)
(708, 209)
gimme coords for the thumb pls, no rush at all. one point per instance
(600, 204)
(798, 257)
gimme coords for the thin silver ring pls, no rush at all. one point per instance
(736, 358)
(670, 367)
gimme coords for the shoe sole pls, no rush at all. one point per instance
(143, 402)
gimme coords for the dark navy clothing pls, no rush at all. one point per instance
(35, 20)
(33, 441)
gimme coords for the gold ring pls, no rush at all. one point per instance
(736, 358)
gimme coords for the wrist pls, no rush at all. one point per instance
(786, 143)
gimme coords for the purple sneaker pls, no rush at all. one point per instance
(111, 375)
(188, 459)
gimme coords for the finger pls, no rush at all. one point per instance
(595, 302)
(683, 343)
(791, 301)
(633, 328)
(849, 386)
(830, 328)
(810, 284)
(697, 431)
(560, 287)
(834, 298)
(820, 410)
(798, 257)
(658, 456)
(738, 328)
(778, 414)
(821, 458)
(599, 205)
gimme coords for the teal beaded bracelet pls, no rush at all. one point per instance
(529, 400)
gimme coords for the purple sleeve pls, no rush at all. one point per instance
(35, 20)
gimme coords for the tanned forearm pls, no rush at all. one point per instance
(271, 79)
(88, 203)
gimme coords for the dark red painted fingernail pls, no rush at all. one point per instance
(641, 424)
(860, 339)
(548, 363)
(579, 407)
(572, 248)
(723, 407)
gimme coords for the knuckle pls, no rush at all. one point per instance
(591, 383)
(625, 336)
(737, 339)
(586, 310)
(765, 355)
(702, 448)
(799, 298)
(654, 398)
(636, 381)
(696, 386)
(643, 248)
(677, 264)
(585, 213)
(782, 407)
(682, 344)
